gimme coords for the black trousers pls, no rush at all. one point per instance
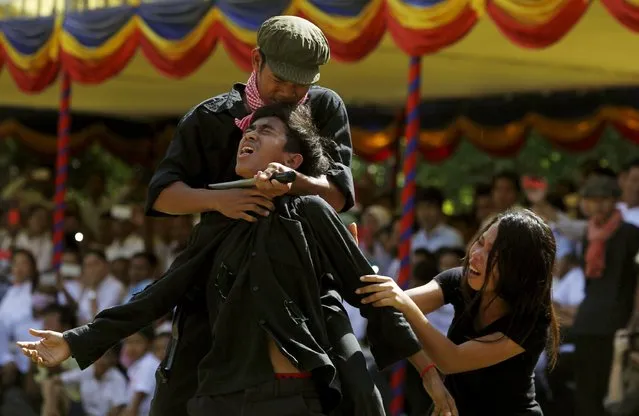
(286, 397)
(592, 361)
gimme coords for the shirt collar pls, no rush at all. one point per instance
(235, 102)
(435, 232)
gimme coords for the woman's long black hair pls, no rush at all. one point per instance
(523, 255)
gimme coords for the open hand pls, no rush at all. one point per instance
(272, 188)
(51, 350)
(384, 291)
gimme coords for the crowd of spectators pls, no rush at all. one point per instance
(112, 251)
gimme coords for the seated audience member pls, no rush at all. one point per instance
(101, 290)
(449, 258)
(374, 219)
(120, 270)
(433, 232)
(126, 242)
(142, 269)
(161, 340)
(19, 311)
(36, 237)
(103, 388)
(69, 284)
(141, 372)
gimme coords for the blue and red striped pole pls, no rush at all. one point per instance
(408, 211)
(62, 169)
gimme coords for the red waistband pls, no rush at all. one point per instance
(280, 376)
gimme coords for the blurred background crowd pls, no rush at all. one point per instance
(112, 251)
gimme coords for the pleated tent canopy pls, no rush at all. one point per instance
(470, 48)
(597, 51)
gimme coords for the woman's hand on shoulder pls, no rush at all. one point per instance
(383, 291)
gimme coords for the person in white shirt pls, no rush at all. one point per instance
(178, 231)
(22, 309)
(141, 372)
(629, 183)
(125, 242)
(36, 238)
(433, 232)
(103, 388)
(16, 305)
(569, 289)
(505, 192)
(101, 290)
(142, 269)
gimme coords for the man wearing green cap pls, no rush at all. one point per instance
(285, 63)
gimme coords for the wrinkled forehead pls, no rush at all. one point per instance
(270, 123)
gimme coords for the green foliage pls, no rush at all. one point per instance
(469, 166)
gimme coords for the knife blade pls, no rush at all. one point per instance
(282, 177)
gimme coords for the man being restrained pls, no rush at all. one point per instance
(275, 350)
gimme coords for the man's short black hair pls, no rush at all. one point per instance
(150, 258)
(631, 164)
(456, 251)
(509, 175)
(302, 136)
(482, 189)
(98, 253)
(430, 195)
(67, 315)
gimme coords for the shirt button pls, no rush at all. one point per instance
(262, 321)
(253, 254)
(256, 288)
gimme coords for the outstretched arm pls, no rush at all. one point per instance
(89, 342)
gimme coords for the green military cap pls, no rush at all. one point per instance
(294, 48)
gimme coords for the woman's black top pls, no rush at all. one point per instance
(506, 388)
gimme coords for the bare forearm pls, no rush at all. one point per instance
(307, 185)
(180, 199)
(440, 349)
(420, 360)
(134, 407)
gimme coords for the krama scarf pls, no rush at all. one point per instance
(597, 237)
(254, 101)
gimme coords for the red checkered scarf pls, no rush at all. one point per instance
(254, 101)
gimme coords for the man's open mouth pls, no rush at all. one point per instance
(474, 271)
(246, 150)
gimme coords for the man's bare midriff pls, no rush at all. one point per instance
(280, 363)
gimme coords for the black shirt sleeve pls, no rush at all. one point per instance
(334, 125)
(89, 342)
(389, 333)
(450, 282)
(184, 161)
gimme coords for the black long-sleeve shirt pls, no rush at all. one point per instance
(284, 264)
(204, 147)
